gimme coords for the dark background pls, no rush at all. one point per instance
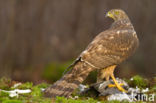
(37, 37)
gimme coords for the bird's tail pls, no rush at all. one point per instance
(70, 81)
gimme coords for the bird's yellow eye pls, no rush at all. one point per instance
(116, 12)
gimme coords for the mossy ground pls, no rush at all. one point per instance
(36, 96)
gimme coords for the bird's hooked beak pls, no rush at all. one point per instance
(109, 15)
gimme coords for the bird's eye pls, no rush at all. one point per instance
(116, 12)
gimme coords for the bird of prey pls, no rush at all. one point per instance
(104, 53)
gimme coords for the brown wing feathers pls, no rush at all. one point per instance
(70, 81)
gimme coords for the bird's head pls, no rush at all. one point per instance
(116, 14)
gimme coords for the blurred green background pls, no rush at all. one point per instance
(40, 38)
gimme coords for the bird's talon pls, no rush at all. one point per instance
(113, 85)
(119, 87)
(123, 90)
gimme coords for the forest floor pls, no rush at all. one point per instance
(17, 92)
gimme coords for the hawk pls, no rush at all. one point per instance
(108, 49)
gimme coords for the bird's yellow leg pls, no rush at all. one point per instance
(112, 85)
(117, 84)
(110, 71)
(106, 73)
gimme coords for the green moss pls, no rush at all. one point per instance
(26, 85)
(154, 88)
(65, 100)
(36, 96)
(138, 81)
(43, 85)
(36, 92)
(3, 94)
(12, 101)
(5, 83)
